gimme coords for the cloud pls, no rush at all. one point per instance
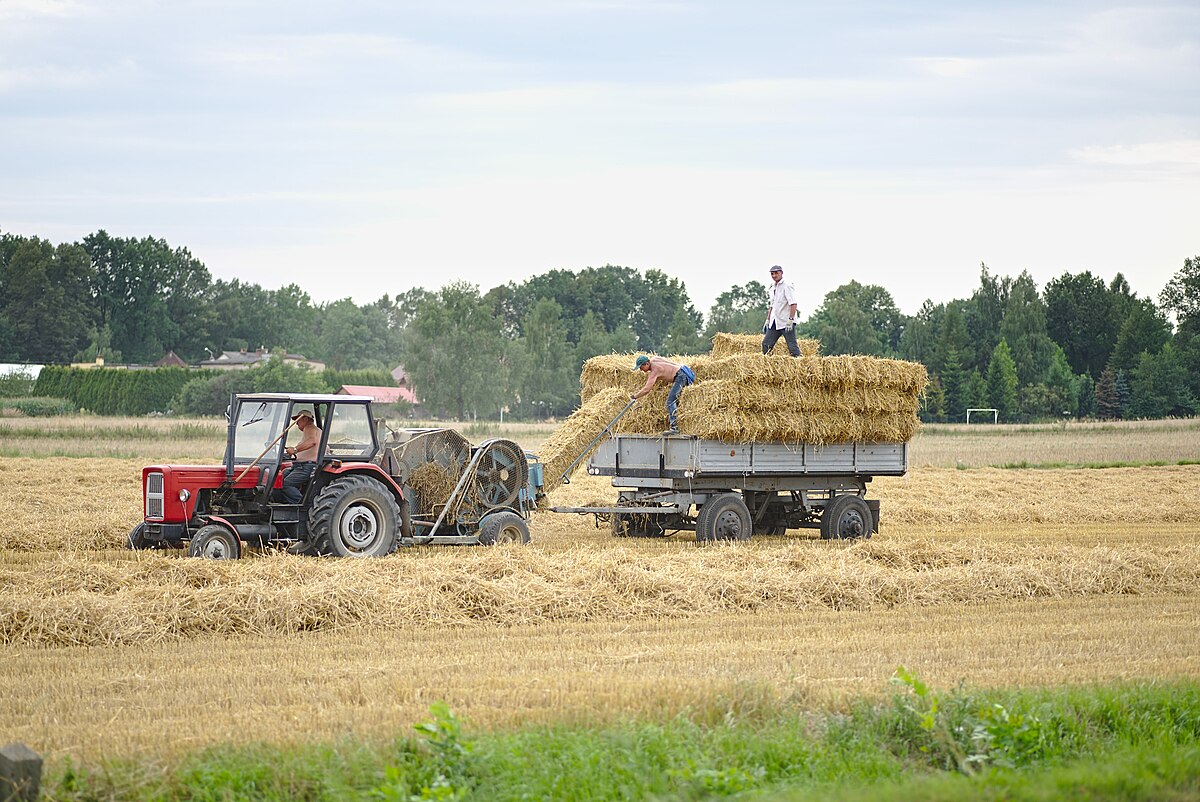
(11, 10)
(1178, 154)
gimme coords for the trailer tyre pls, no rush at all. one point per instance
(846, 517)
(503, 527)
(723, 517)
(354, 516)
(215, 542)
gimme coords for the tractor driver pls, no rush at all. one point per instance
(305, 455)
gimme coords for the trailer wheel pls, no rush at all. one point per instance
(723, 517)
(503, 527)
(846, 517)
(354, 516)
(215, 542)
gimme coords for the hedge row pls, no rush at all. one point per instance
(112, 391)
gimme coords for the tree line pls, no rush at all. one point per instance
(1079, 345)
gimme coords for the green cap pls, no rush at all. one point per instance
(641, 360)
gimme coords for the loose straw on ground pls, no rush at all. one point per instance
(74, 600)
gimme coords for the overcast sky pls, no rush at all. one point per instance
(362, 148)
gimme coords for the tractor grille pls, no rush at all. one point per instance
(154, 495)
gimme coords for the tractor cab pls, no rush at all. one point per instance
(263, 427)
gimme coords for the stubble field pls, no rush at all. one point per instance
(992, 576)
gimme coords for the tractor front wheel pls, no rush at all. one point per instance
(215, 542)
(354, 516)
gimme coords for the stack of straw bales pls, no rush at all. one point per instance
(817, 400)
(748, 396)
(742, 395)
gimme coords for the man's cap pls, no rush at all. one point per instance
(774, 268)
(303, 413)
(641, 360)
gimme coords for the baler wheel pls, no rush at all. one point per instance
(503, 527)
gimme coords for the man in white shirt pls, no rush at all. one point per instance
(781, 314)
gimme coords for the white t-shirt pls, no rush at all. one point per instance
(780, 296)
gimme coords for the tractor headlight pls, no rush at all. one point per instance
(185, 494)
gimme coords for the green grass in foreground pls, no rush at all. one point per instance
(1126, 742)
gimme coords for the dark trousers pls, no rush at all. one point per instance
(772, 337)
(683, 377)
(294, 480)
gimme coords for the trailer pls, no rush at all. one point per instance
(730, 491)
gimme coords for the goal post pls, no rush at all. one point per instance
(995, 413)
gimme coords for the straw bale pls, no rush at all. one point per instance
(864, 398)
(845, 371)
(724, 345)
(827, 371)
(818, 428)
(567, 443)
(616, 371)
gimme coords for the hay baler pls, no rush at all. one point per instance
(360, 501)
(737, 490)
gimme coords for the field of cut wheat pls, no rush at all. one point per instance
(988, 575)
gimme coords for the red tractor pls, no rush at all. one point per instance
(358, 502)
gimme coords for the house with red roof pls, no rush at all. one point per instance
(380, 395)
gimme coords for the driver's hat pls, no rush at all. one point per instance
(303, 413)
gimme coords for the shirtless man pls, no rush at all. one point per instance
(656, 368)
(305, 455)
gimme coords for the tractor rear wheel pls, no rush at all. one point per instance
(215, 542)
(503, 527)
(846, 517)
(354, 516)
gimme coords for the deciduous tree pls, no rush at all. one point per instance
(46, 299)
(456, 354)
(739, 310)
(1081, 317)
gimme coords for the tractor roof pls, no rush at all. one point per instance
(306, 398)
